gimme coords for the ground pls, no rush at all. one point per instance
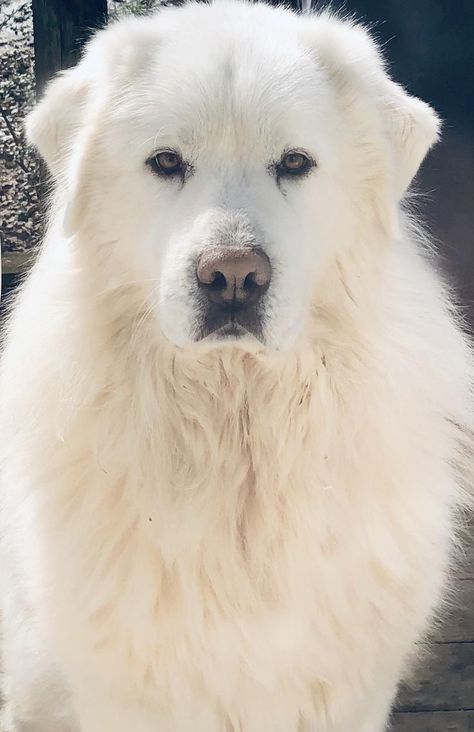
(441, 698)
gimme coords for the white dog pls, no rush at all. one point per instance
(235, 399)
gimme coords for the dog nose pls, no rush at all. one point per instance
(234, 275)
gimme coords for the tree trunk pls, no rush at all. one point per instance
(60, 29)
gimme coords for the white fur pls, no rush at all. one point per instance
(229, 536)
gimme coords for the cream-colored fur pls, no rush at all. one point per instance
(238, 536)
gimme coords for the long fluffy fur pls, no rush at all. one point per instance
(228, 538)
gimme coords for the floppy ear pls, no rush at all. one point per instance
(62, 125)
(53, 125)
(352, 57)
(411, 126)
(60, 128)
(65, 125)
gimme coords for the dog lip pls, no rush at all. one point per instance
(228, 330)
(231, 329)
(233, 322)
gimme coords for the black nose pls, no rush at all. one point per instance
(234, 276)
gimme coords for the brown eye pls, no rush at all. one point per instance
(294, 163)
(167, 163)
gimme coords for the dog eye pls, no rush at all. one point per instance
(166, 163)
(295, 163)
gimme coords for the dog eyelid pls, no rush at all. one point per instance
(167, 163)
(293, 163)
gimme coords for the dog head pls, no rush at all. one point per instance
(223, 155)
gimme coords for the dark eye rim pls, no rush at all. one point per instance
(179, 170)
(283, 172)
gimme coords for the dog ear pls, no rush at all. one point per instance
(412, 128)
(53, 125)
(352, 58)
(65, 125)
(61, 126)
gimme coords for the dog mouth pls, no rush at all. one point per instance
(232, 323)
(229, 332)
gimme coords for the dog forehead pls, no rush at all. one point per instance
(208, 77)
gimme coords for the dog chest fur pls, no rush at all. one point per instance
(243, 526)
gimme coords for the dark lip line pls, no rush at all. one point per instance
(227, 330)
(231, 328)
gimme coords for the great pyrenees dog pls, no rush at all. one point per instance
(235, 398)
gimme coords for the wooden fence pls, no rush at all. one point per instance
(60, 29)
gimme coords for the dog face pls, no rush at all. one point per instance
(223, 156)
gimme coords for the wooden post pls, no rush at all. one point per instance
(60, 29)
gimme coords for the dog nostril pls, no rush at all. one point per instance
(251, 282)
(218, 282)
